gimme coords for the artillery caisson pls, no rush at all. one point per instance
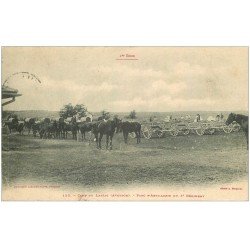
(159, 129)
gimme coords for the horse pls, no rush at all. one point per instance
(47, 128)
(129, 127)
(105, 128)
(20, 127)
(52, 129)
(74, 129)
(36, 127)
(61, 128)
(70, 127)
(85, 127)
(28, 123)
(12, 123)
(242, 120)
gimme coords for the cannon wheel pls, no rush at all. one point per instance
(132, 135)
(174, 130)
(147, 132)
(200, 131)
(211, 131)
(236, 127)
(227, 129)
(186, 131)
(160, 133)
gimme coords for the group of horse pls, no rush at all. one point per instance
(59, 128)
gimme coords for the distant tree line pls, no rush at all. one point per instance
(69, 110)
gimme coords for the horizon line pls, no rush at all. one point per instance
(238, 110)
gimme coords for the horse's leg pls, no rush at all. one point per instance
(246, 133)
(107, 141)
(111, 146)
(137, 137)
(90, 137)
(97, 140)
(126, 135)
(100, 140)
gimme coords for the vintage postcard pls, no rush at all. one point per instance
(124, 123)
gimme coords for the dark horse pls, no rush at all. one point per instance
(71, 127)
(28, 123)
(105, 128)
(240, 119)
(129, 127)
(48, 129)
(85, 127)
(15, 124)
(61, 128)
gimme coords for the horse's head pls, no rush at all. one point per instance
(230, 118)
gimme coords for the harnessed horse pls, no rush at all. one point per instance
(105, 128)
(240, 119)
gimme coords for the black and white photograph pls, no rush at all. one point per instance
(125, 123)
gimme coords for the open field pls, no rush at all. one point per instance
(182, 161)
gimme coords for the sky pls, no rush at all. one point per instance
(160, 79)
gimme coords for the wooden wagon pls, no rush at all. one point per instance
(159, 129)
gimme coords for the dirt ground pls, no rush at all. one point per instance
(181, 161)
